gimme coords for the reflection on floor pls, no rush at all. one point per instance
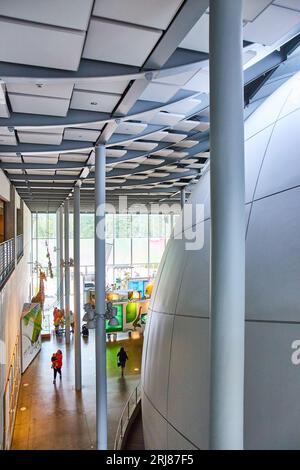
(58, 417)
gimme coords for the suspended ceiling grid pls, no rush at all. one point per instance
(131, 74)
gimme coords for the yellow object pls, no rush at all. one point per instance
(112, 297)
(149, 289)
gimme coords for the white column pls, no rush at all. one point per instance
(100, 339)
(227, 225)
(57, 257)
(67, 272)
(77, 288)
(61, 258)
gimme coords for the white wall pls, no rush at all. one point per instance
(12, 297)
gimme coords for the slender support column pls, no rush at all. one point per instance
(227, 225)
(57, 256)
(61, 258)
(182, 198)
(67, 273)
(100, 340)
(77, 286)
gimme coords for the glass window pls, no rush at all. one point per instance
(140, 270)
(140, 250)
(122, 225)
(110, 251)
(122, 251)
(156, 246)
(157, 225)
(140, 225)
(109, 225)
(87, 222)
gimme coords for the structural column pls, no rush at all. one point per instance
(182, 198)
(67, 272)
(100, 339)
(61, 258)
(227, 225)
(77, 289)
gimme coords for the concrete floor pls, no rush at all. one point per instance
(58, 417)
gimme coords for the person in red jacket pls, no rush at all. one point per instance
(56, 360)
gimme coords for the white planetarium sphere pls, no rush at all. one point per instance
(175, 377)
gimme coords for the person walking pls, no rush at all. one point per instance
(56, 360)
(122, 358)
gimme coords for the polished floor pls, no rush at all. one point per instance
(56, 416)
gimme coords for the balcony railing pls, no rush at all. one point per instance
(7, 260)
(20, 247)
(126, 415)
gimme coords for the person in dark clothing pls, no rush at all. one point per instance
(122, 358)
(56, 361)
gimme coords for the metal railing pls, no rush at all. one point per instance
(7, 260)
(126, 415)
(20, 247)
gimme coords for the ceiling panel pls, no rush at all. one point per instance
(73, 157)
(252, 8)
(164, 153)
(293, 4)
(159, 92)
(81, 134)
(271, 25)
(61, 48)
(121, 43)
(172, 137)
(187, 143)
(202, 126)
(166, 119)
(43, 160)
(4, 111)
(130, 128)
(183, 107)
(56, 12)
(39, 138)
(198, 37)
(8, 139)
(93, 101)
(130, 166)
(185, 126)
(10, 159)
(155, 14)
(115, 153)
(38, 105)
(41, 89)
(153, 161)
(6, 131)
(39, 172)
(112, 86)
(157, 136)
(136, 145)
(137, 177)
(180, 78)
(199, 82)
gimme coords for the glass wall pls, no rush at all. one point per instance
(137, 242)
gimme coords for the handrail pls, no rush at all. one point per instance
(20, 247)
(128, 410)
(7, 260)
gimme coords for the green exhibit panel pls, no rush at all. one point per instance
(131, 312)
(119, 316)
